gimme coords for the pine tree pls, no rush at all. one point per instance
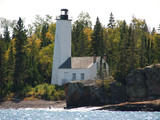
(122, 58)
(75, 35)
(97, 39)
(82, 45)
(45, 41)
(2, 68)
(157, 48)
(153, 31)
(143, 61)
(142, 52)
(79, 38)
(149, 52)
(6, 37)
(10, 61)
(111, 23)
(20, 41)
(33, 76)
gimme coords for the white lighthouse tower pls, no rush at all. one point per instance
(62, 45)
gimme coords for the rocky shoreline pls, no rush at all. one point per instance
(16, 104)
(134, 106)
(127, 106)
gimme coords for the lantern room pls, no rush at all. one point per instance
(64, 14)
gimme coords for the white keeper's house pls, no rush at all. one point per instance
(66, 68)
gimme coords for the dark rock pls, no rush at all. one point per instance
(143, 83)
(153, 105)
(132, 107)
(136, 86)
(153, 80)
(91, 93)
(118, 93)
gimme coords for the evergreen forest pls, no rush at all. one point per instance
(26, 54)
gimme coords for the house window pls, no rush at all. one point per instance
(82, 76)
(73, 76)
(66, 75)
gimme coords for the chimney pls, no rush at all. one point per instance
(94, 58)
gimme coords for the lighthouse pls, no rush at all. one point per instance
(62, 45)
(65, 67)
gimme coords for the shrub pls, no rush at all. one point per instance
(27, 89)
(107, 82)
(36, 89)
(61, 95)
(42, 91)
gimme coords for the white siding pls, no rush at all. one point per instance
(93, 70)
(70, 71)
(62, 47)
(89, 73)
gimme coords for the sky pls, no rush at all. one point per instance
(121, 9)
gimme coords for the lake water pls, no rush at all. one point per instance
(74, 114)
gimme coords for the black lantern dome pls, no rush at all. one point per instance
(64, 14)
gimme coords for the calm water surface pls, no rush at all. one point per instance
(74, 114)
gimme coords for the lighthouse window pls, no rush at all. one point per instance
(62, 12)
(73, 76)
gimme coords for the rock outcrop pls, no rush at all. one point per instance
(153, 105)
(144, 83)
(141, 84)
(93, 93)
